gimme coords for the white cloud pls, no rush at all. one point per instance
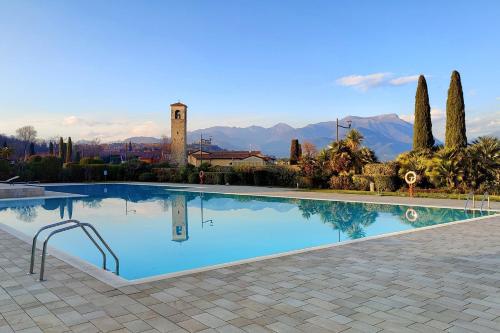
(498, 98)
(407, 117)
(483, 124)
(402, 80)
(436, 115)
(365, 82)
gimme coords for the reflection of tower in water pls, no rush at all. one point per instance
(179, 219)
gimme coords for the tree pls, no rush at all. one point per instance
(354, 139)
(61, 148)
(446, 168)
(422, 126)
(27, 134)
(78, 156)
(51, 148)
(482, 164)
(455, 136)
(32, 149)
(294, 151)
(6, 152)
(309, 149)
(69, 151)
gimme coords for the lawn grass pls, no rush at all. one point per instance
(417, 194)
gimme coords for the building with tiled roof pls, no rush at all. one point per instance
(229, 158)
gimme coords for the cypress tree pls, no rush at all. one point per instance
(422, 127)
(69, 151)
(294, 152)
(51, 148)
(455, 136)
(61, 147)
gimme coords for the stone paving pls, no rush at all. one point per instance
(441, 279)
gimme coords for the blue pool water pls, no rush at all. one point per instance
(156, 230)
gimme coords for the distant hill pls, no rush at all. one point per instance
(387, 134)
(142, 139)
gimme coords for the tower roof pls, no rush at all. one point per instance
(178, 104)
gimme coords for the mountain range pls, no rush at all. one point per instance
(388, 135)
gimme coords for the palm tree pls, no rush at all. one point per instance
(447, 168)
(483, 162)
(354, 139)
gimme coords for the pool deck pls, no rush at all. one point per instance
(434, 280)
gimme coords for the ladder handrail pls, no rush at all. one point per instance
(117, 261)
(485, 196)
(467, 199)
(76, 224)
(33, 245)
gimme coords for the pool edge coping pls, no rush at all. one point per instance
(201, 188)
(117, 282)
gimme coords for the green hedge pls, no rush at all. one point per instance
(384, 169)
(361, 182)
(341, 183)
(386, 183)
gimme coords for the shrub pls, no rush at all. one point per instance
(260, 177)
(44, 169)
(115, 172)
(219, 178)
(385, 183)
(91, 160)
(72, 172)
(147, 177)
(133, 168)
(306, 182)
(164, 174)
(341, 182)
(5, 169)
(230, 178)
(361, 183)
(384, 169)
(94, 172)
(211, 177)
(193, 177)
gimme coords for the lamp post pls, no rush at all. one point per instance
(349, 124)
(207, 141)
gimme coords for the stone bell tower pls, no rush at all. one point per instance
(178, 126)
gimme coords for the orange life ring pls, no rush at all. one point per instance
(202, 174)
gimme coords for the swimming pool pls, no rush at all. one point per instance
(156, 230)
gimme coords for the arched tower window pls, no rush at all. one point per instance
(177, 114)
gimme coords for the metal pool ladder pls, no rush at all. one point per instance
(71, 224)
(467, 199)
(486, 197)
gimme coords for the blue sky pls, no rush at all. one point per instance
(110, 69)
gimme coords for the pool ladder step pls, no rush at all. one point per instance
(65, 226)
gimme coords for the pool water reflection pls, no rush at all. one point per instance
(156, 230)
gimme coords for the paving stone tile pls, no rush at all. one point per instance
(420, 282)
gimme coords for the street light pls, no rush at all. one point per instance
(202, 142)
(349, 124)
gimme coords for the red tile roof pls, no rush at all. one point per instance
(178, 104)
(234, 155)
